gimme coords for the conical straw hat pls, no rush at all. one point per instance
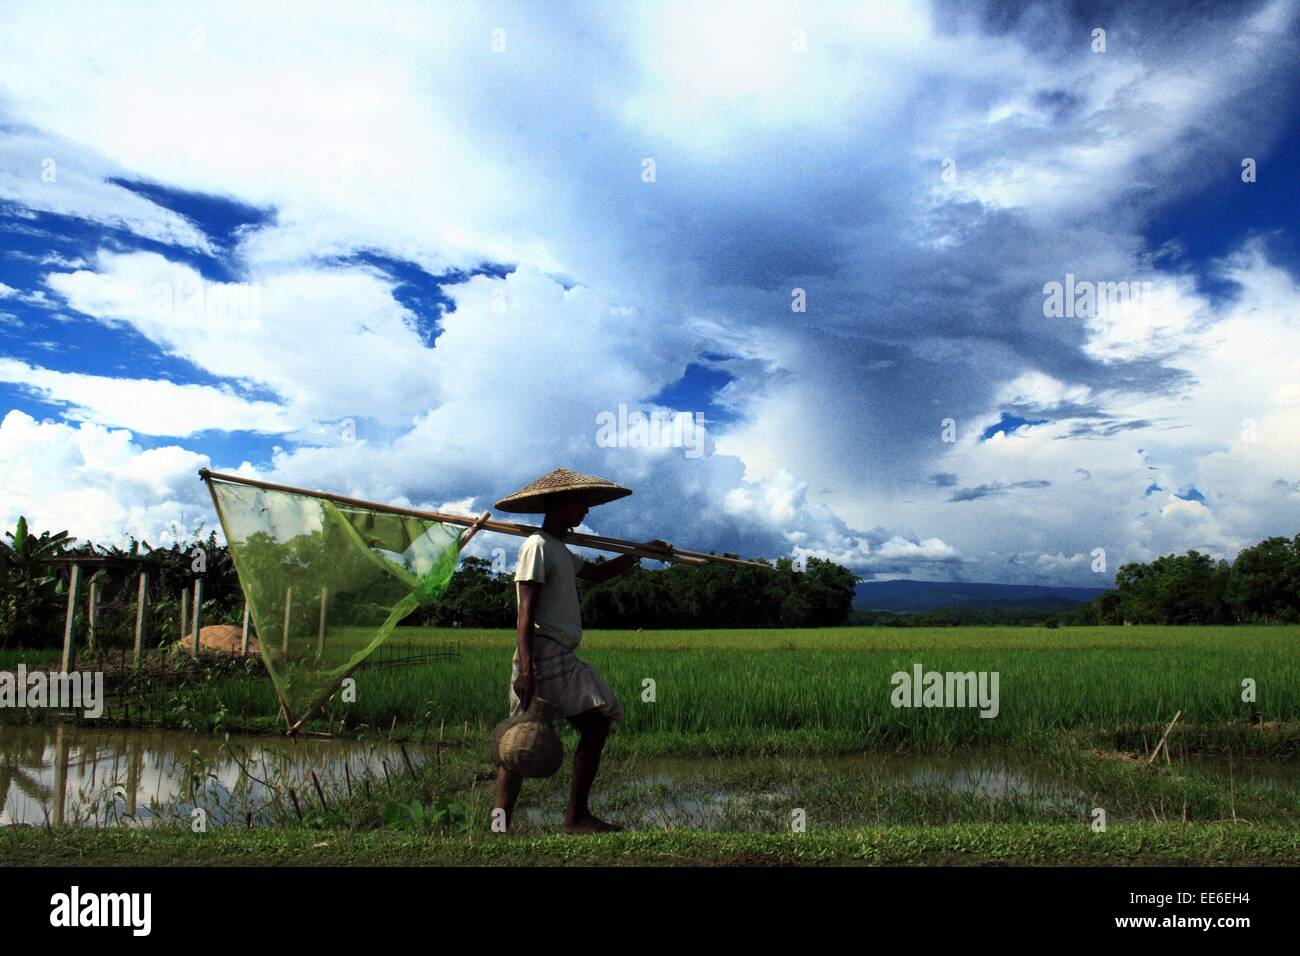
(534, 498)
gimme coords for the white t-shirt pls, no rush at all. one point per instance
(545, 560)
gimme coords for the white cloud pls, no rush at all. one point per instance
(1043, 391)
(1155, 322)
(56, 176)
(150, 406)
(1059, 562)
(331, 343)
(96, 483)
(815, 531)
(1227, 430)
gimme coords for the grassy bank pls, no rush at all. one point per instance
(959, 844)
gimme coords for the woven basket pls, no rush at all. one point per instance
(527, 743)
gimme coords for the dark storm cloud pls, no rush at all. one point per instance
(997, 488)
(1107, 428)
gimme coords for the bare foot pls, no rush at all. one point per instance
(590, 824)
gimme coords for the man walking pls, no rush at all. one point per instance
(550, 629)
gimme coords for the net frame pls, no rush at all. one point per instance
(408, 559)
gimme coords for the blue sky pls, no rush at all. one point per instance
(413, 252)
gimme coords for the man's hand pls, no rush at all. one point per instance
(525, 684)
(596, 573)
(657, 545)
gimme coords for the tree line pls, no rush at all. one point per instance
(714, 595)
(33, 592)
(1261, 586)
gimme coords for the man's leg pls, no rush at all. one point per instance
(593, 728)
(508, 786)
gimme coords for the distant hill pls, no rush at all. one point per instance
(903, 597)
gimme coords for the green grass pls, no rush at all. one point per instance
(828, 691)
(956, 844)
(12, 657)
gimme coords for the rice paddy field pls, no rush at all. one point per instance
(828, 691)
(751, 746)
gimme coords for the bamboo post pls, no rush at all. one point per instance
(185, 611)
(92, 594)
(320, 633)
(243, 637)
(74, 577)
(288, 606)
(142, 596)
(474, 528)
(198, 612)
(1156, 753)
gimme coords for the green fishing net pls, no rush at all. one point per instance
(327, 583)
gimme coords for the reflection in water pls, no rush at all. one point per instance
(129, 777)
(758, 794)
(684, 796)
(123, 776)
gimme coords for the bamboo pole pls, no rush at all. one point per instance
(185, 611)
(474, 528)
(596, 542)
(1160, 746)
(320, 633)
(74, 577)
(92, 607)
(288, 607)
(243, 637)
(142, 596)
(198, 612)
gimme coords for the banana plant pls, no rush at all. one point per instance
(26, 553)
(28, 587)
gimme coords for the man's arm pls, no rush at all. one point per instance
(596, 573)
(529, 592)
